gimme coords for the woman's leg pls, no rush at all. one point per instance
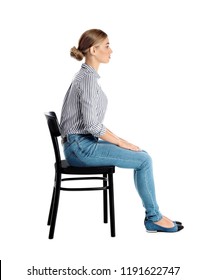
(144, 183)
(88, 151)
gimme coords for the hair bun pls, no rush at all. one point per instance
(76, 53)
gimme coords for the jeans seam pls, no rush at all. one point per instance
(105, 157)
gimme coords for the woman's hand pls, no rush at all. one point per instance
(112, 138)
(126, 145)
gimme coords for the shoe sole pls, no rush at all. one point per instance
(156, 231)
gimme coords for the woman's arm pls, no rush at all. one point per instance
(114, 139)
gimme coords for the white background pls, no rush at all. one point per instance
(155, 86)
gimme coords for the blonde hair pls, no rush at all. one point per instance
(88, 39)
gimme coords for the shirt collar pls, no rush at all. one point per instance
(90, 69)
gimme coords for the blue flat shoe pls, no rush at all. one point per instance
(152, 227)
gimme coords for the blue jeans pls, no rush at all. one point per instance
(86, 150)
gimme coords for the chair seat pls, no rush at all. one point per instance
(67, 169)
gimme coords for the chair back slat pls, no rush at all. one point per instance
(55, 132)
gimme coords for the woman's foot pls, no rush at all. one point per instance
(165, 222)
(177, 222)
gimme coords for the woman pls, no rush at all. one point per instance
(87, 142)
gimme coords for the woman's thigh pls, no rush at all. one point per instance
(118, 156)
(102, 153)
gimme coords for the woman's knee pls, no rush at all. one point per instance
(147, 160)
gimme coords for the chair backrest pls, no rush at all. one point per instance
(55, 132)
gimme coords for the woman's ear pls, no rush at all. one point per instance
(92, 50)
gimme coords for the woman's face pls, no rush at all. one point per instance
(103, 51)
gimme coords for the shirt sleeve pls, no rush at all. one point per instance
(90, 106)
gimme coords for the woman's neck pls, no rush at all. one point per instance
(92, 63)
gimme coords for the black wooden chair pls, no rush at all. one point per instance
(63, 168)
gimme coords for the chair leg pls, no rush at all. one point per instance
(105, 214)
(112, 207)
(52, 201)
(55, 206)
(51, 207)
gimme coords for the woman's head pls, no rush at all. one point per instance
(88, 39)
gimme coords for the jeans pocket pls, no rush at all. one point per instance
(86, 145)
(68, 148)
(73, 154)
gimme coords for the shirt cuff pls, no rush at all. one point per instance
(100, 132)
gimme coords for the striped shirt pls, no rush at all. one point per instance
(84, 105)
